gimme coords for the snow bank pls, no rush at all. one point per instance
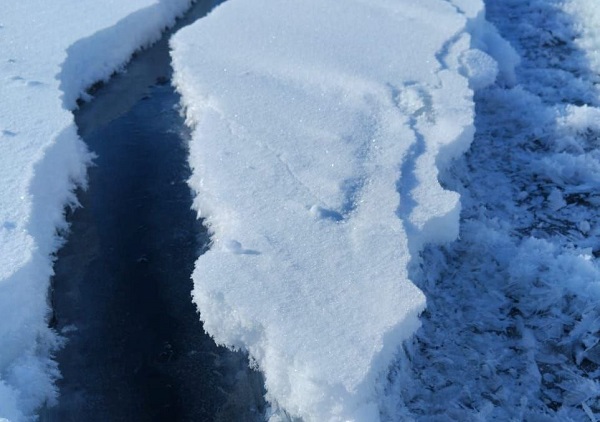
(319, 131)
(50, 52)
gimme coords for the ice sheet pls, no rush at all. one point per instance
(49, 53)
(319, 131)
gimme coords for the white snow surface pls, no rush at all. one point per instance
(49, 53)
(319, 131)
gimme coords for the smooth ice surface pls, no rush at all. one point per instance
(49, 53)
(319, 131)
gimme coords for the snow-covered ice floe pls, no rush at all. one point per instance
(49, 53)
(319, 131)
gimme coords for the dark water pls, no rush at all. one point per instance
(136, 349)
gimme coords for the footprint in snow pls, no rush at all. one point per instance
(9, 225)
(235, 247)
(325, 214)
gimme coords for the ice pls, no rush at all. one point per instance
(51, 51)
(320, 128)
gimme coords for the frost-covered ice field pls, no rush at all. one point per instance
(512, 326)
(402, 196)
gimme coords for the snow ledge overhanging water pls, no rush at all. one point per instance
(319, 132)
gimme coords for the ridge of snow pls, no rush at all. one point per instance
(49, 51)
(319, 132)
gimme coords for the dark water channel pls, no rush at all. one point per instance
(136, 349)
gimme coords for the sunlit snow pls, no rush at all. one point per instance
(320, 128)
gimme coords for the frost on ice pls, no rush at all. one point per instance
(49, 53)
(512, 329)
(319, 131)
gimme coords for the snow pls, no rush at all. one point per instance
(327, 158)
(512, 327)
(49, 54)
(320, 129)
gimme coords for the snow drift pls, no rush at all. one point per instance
(319, 131)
